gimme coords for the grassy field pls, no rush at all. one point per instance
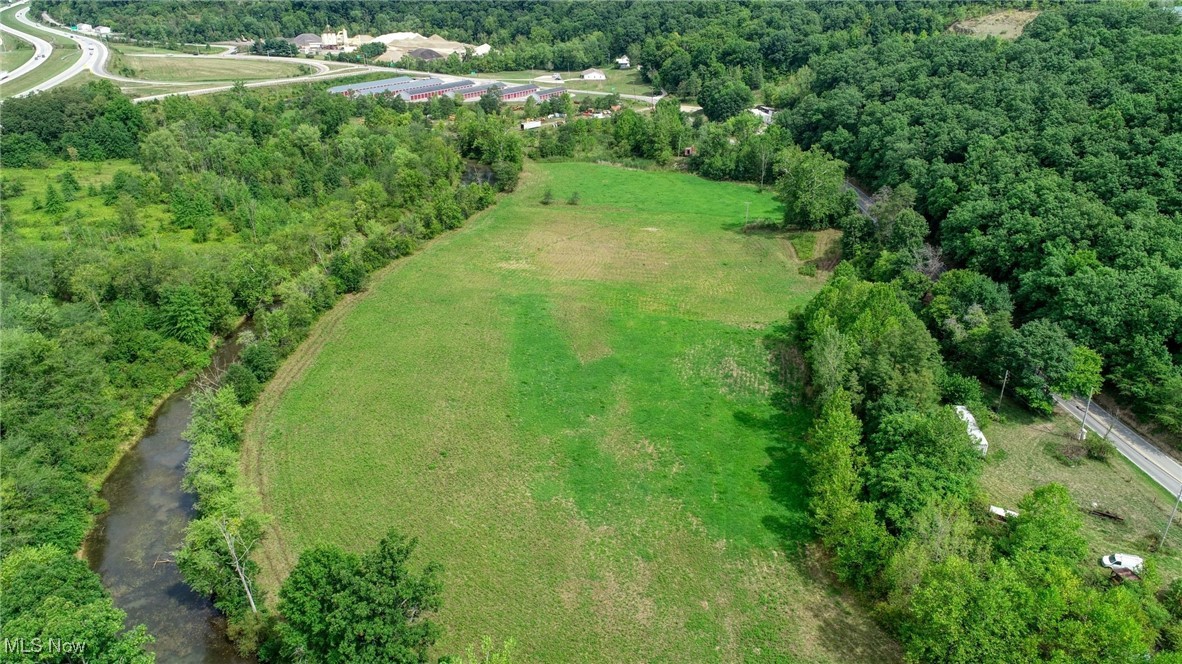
(570, 406)
(1023, 455)
(65, 52)
(1005, 24)
(191, 49)
(14, 52)
(205, 69)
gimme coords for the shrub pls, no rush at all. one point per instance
(574, 199)
(246, 385)
(262, 358)
(548, 197)
(1097, 448)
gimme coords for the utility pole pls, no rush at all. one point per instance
(1083, 424)
(1171, 521)
(1003, 391)
(747, 214)
(1111, 423)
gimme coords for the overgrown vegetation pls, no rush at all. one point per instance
(893, 495)
(114, 286)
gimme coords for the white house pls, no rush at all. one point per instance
(84, 27)
(102, 29)
(594, 75)
(622, 62)
(974, 431)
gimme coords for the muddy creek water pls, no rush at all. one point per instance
(131, 546)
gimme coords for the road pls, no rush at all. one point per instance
(94, 53)
(1145, 455)
(41, 49)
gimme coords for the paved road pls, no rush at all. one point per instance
(93, 54)
(1144, 454)
(41, 49)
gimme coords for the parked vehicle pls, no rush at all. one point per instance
(1122, 561)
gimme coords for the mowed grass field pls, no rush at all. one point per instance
(205, 68)
(1022, 456)
(571, 408)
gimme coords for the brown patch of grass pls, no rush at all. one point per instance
(1006, 24)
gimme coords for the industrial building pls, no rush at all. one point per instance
(384, 86)
(434, 90)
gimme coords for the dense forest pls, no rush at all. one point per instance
(243, 204)
(1052, 165)
(894, 498)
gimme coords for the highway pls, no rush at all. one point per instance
(1145, 455)
(41, 48)
(94, 53)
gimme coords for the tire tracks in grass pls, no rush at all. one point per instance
(274, 554)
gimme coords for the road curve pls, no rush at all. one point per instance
(91, 49)
(41, 49)
(1145, 455)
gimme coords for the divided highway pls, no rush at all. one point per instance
(94, 55)
(41, 48)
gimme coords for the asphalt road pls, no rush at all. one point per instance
(94, 53)
(1145, 455)
(41, 49)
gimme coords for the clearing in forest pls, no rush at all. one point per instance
(570, 406)
(1005, 24)
(1027, 451)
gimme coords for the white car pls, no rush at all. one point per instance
(1122, 560)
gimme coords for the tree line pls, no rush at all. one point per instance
(1049, 165)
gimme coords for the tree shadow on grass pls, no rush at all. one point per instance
(786, 474)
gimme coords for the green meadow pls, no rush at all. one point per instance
(572, 408)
